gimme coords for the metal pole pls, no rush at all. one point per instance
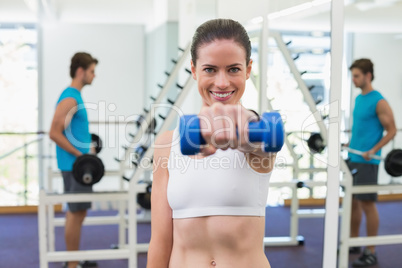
(332, 201)
(308, 98)
(43, 262)
(294, 217)
(25, 173)
(345, 223)
(263, 59)
(39, 57)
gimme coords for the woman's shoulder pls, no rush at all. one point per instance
(165, 137)
(163, 142)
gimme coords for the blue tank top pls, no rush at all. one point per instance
(367, 129)
(220, 184)
(77, 132)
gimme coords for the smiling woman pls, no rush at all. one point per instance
(213, 215)
(221, 71)
(223, 65)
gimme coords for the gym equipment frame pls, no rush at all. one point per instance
(128, 250)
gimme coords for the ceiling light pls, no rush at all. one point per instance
(296, 9)
(257, 20)
(367, 5)
(32, 5)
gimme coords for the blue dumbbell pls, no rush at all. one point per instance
(269, 131)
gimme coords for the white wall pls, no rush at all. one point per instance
(117, 92)
(386, 53)
(192, 13)
(161, 47)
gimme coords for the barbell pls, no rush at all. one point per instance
(96, 143)
(316, 143)
(392, 162)
(88, 169)
(268, 130)
(144, 199)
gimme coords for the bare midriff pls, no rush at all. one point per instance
(219, 241)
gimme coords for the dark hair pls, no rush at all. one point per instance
(220, 29)
(81, 59)
(364, 65)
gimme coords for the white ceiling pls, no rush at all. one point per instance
(380, 16)
(360, 16)
(79, 11)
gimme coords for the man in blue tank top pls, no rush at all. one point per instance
(70, 132)
(371, 116)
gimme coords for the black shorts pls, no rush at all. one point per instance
(72, 186)
(367, 174)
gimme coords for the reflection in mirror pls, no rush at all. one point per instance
(299, 61)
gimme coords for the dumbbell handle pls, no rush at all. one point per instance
(269, 131)
(354, 151)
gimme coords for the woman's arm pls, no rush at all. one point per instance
(262, 163)
(161, 243)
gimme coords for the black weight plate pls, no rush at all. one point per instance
(144, 199)
(97, 142)
(393, 163)
(316, 143)
(88, 164)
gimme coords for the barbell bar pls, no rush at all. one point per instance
(392, 162)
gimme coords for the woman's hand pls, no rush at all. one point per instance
(226, 126)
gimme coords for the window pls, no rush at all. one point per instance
(19, 115)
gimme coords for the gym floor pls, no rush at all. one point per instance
(19, 239)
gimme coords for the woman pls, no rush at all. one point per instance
(209, 210)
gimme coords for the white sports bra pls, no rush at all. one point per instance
(220, 184)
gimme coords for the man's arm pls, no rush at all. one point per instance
(386, 117)
(61, 119)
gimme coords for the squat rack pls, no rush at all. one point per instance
(128, 251)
